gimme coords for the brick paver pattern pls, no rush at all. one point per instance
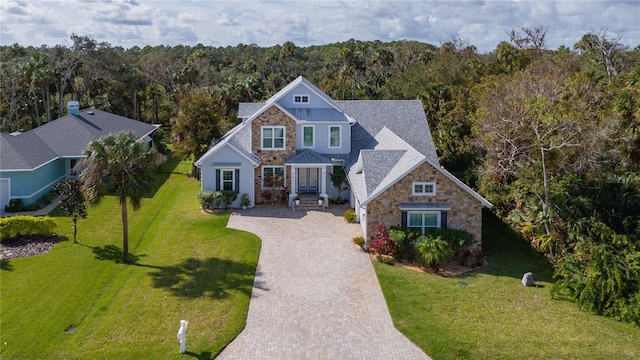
(315, 294)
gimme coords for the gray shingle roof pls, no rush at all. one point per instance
(403, 117)
(65, 137)
(26, 151)
(390, 159)
(241, 141)
(308, 157)
(245, 110)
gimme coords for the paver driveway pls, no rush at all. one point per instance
(315, 294)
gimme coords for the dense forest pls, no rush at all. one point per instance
(550, 137)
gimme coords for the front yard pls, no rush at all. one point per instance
(79, 302)
(488, 314)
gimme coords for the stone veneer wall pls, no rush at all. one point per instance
(272, 117)
(465, 213)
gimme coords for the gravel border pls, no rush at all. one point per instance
(27, 246)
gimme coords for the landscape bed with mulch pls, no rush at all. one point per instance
(450, 269)
(26, 246)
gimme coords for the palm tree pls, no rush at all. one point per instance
(121, 164)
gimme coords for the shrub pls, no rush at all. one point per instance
(349, 215)
(383, 244)
(245, 200)
(431, 251)
(385, 260)
(208, 199)
(15, 226)
(405, 245)
(228, 196)
(457, 239)
(216, 199)
(267, 196)
(358, 240)
(15, 205)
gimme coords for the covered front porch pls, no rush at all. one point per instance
(310, 175)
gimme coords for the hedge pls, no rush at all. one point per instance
(15, 226)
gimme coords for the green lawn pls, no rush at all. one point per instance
(185, 265)
(488, 314)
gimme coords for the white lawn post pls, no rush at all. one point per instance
(182, 335)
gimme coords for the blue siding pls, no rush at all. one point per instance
(315, 102)
(321, 138)
(31, 185)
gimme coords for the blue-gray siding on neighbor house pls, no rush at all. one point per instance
(31, 185)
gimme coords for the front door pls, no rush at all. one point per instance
(308, 180)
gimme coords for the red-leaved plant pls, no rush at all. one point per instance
(383, 244)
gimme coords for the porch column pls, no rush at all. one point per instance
(294, 182)
(323, 183)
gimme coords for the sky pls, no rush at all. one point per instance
(483, 24)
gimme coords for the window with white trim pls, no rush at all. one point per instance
(227, 179)
(423, 220)
(307, 136)
(273, 137)
(273, 177)
(424, 188)
(301, 99)
(334, 136)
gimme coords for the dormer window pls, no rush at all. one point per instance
(300, 99)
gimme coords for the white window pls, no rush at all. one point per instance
(423, 220)
(307, 136)
(424, 188)
(273, 177)
(301, 99)
(273, 137)
(227, 179)
(334, 136)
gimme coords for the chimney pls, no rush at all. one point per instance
(73, 108)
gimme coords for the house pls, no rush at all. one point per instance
(300, 135)
(33, 161)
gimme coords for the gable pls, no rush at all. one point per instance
(273, 116)
(301, 86)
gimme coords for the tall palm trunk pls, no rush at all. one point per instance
(125, 233)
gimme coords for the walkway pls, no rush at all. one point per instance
(315, 295)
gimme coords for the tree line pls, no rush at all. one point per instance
(550, 137)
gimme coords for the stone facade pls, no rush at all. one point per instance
(272, 117)
(465, 213)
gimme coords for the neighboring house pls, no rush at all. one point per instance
(33, 161)
(300, 134)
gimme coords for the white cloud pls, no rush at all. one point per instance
(151, 22)
(226, 20)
